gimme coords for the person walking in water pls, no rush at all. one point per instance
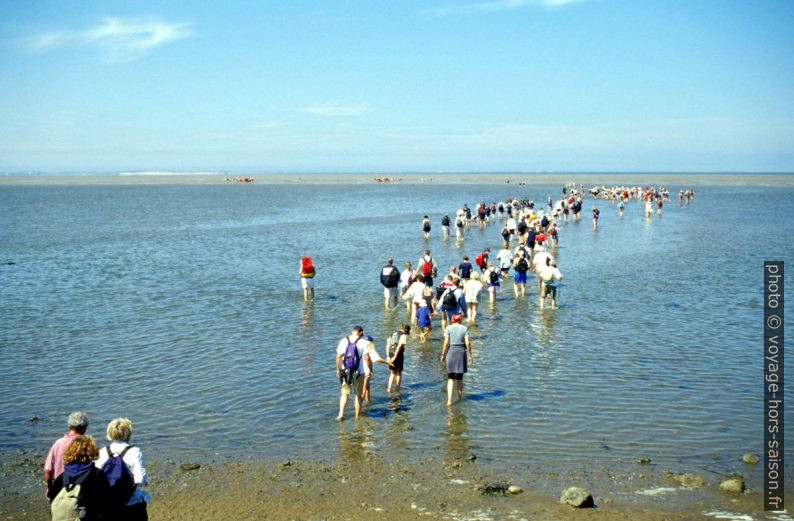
(445, 226)
(390, 279)
(549, 277)
(350, 359)
(395, 355)
(471, 289)
(596, 215)
(307, 273)
(456, 347)
(426, 227)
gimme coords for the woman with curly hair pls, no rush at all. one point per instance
(79, 469)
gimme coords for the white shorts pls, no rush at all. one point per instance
(307, 283)
(390, 292)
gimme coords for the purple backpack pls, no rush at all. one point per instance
(351, 359)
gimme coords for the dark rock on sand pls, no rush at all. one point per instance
(577, 497)
(189, 466)
(750, 459)
(732, 486)
(496, 488)
(644, 461)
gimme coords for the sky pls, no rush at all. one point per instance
(397, 86)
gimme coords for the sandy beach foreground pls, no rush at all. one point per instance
(516, 179)
(368, 487)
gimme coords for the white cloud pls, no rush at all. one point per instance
(334, 110)
(119, 39)
(499, 5)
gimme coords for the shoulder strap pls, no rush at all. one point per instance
(128, 447)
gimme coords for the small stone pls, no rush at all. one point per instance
(35, 419)
(690, 480)
(732, 486)
(750, 459)
(286, 464)
(471, 457)
(577, 497)
(643, 461)
(189, 466)
(515, 489)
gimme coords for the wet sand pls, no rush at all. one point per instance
(588, 179)
(368, 487)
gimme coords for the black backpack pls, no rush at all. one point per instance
(494, 277)
(391, 279)
(522, 266)
(449, 301)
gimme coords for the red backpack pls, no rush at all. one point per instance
(307, 268)
(427, 266)
(478, 260)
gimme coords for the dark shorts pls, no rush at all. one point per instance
(455, 376)
(549, 290)
(399, 362)
(426, 229)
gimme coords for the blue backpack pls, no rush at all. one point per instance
(121, 483)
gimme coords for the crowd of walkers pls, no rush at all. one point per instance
(87, 483)
(530, 234)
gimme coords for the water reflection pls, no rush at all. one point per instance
(457, 443)
(356, 438)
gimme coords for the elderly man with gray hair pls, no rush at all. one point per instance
(53, 465)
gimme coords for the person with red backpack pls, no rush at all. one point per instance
(427, 268)
(307, 273)
(481, 260)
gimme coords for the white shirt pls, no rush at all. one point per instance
(360, 347)
(539, 260)
(134, 461)
(505, 258)
(550, 274)
(415, 292)
(472, 289)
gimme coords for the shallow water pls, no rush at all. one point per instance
(179, 307)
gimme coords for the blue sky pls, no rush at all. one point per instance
(385, 86)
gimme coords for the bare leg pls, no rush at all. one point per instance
(391, 380)
(305, 294)
(342, 403)
(312, 293)
(450, 390)
(398, 380)
(460, 390)
(357, 404)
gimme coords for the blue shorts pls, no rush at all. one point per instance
(520, 278)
